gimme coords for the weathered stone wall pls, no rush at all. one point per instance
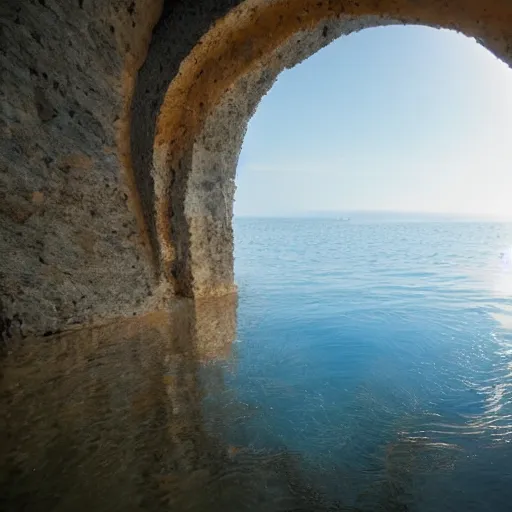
(121, 125)
(70, 246)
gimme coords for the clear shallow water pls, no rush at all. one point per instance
(366, 367)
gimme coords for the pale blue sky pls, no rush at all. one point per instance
(392, 118)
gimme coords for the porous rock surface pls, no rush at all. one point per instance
(70, 247)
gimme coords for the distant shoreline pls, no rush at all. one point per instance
(348, 217)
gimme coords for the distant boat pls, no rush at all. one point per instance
(344, 219)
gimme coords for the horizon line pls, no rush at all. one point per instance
(402, 213)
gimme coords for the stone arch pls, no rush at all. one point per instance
(121, 122)
(208, 92)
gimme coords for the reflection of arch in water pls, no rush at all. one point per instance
(194, 98)
(105, 413)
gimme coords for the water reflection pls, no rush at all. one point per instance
(106, 419)
(112, 418)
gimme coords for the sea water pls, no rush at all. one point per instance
(365, 366)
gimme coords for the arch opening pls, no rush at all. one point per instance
(188, 158)
(405, 121)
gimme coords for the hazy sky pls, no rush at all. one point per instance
(391, 118)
